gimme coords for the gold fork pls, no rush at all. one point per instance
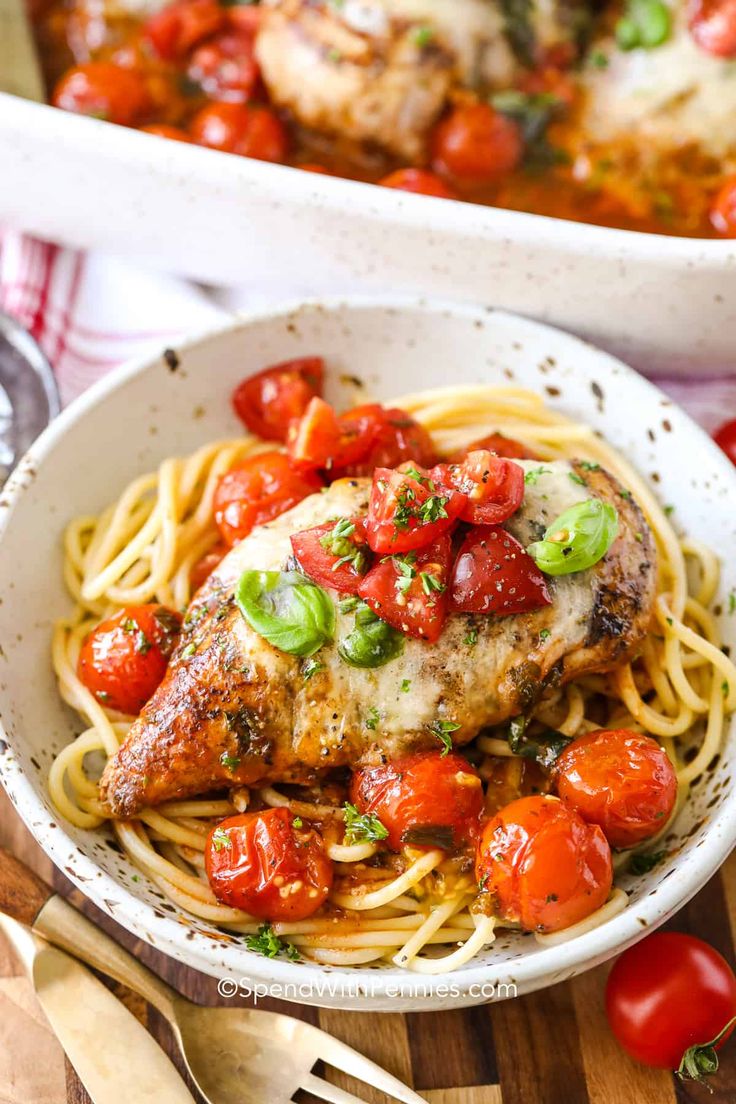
(234, 1055)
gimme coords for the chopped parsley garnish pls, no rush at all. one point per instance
(338, 543)
(362, 827)
(725, 688)
(544, 634)
(372, 719)
(433, 509)
(472, 638)
(347, 605)
(297, 822)
(430, 583)
(229, 762)
(533, 475)
(221, 839)
(732, 602)
(544, 749)
(422, 36)
(267, 943)
(405, 570)
(638, 537)
(442, 730)
(575, 478)
(668, 510)
(598, 59)
(589, 465)
(189, 650)
(310, 667)
(405, 686)
(643, 861)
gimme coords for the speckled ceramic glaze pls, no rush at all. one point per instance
(664, 304)
(138, 415)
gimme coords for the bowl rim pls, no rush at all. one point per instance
(368, 989)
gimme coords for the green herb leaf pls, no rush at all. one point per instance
(229, 762)
(362, 827)
(372, 642)
(310, 667)
(338, 543)
(533, 475)
(373, 718)
(442, 730)
(645, 24)
(544, 749)
(641, 862)
(221, 839)
(267, 943)
(429, 835)
(405, 686)
(577, 539)
(472, 638)
(287, 609)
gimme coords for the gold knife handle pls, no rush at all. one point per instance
(22, 893)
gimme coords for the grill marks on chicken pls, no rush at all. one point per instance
(233, 710)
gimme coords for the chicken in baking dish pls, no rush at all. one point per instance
(617, 113)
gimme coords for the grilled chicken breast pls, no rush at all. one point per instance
(233, 710)
(380, 70)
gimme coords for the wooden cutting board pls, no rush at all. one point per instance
(551, 1047)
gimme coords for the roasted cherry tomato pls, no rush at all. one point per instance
(620, 780)
(203, 568)
(409, 591)
(407, 511)
(508, 447)
(723, 209)
(713, 26)
(383, 437)
(124, 659)
(494, 574)
(257, 490)
(268, 864)
(420, 181)
(429, 799)
(725, 436)
(669, 996)
(179, 26)
(164, 130)
(105, 91)
(475, 145)
(542, 865)
(268, 401)
(335, 554)
(247, 130)
(494, 487)
(313, 167)
(225, 66)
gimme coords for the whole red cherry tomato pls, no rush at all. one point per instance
(383, 437)
(268, 401)
(203, 568)
(268, 864)
(177, 27)
(493, 573)
(225, 66)
(409, 592)
(407, 511)
(620, 780)
(493, 486)
(429, 799)
(245, 129)
(475, 145)
(335, 554)
(725, 438)
(542, 865)
(499, 443)
(713, 26)
(419, 181)
(104, 91)
(257, 490)
(723, 209)
(669, 997)
(124, 659)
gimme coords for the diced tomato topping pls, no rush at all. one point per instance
(245, 129)
(203, 568)
(508, 447)
(407, 511)
(476, 145)
(225, 67)
(713, 26)
(269, 864)
(257, 490)
(270, 400)
(383, 437)
(419, 181)
(314, 439)
(175, 29)
(494, 487)
(494, 574)
(410, 591)
(124, 659)
(429, 799)
(335, 554)
(104, 91)
(723, 209)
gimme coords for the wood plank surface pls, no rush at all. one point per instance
(551, 1047)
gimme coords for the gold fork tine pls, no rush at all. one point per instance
(350, 1061)
(324, 1090)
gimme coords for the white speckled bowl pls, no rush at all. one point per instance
(139, 414)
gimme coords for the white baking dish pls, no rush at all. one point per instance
(663, 304)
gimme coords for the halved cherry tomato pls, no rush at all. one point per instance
(257, 490)
(409, 591)
(712, 24)
(124, 659)
(620, 780)
(203, 568)
(667, 995)
(494, 487)
(475, 145)
(104, 91)
(179, 26)
(225, 66)
(269, 865)
(248, 130)
(542, 865)
(319, 439)
(335, 554)
(723, 209)
(419, 181)
(725, 435)
(499, 443)
(429, 799)
(313, 167)
(494, 574)
(164, 130)
(383, 437)
(268, 401)
(407, 511)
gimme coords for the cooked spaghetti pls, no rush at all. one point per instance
(398, 905)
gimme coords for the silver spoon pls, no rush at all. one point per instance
(29, 398)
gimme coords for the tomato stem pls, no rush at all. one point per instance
(701, 1061)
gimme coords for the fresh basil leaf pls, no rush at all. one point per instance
(287, 609)
(429, 835)
(577, 539)
(372, 642)
(544, 749)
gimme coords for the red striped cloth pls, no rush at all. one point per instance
(90, 313)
